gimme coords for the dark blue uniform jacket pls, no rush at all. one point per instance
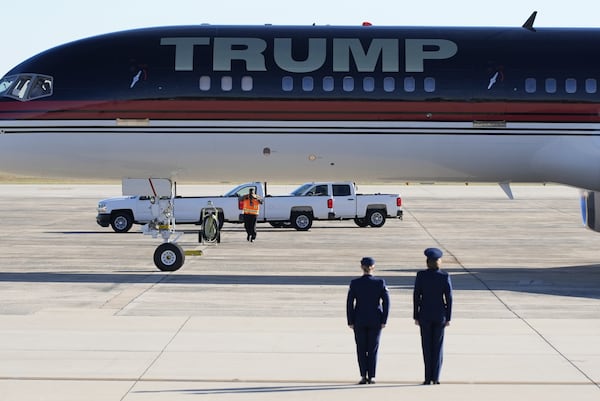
(432, 297)
(368, 302)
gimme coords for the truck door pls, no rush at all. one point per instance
(142, 211)
(187, 210)
(344, 202)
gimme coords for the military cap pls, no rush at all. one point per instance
(433, 253)
(367, 261)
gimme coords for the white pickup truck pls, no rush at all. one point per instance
(309, 202)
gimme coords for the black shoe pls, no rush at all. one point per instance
(436, 382)
(426, 383)
(363, 381)
(248, 237)
(371, 380)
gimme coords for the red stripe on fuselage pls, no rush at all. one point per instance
(302, 110)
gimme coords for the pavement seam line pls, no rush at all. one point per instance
(162, 351)
(519, 317)
(150, 282)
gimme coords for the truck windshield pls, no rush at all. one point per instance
(26, 87)
(301, 190)
(234, 191)
(240, 190)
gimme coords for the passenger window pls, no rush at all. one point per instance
(226, 84)
(328, 84)
(429, 84)
(308, 84)
(287, 84)
(409, 84)
(389, 84)
(530, 85)
(204, 83)
(348, 84)
(247, 84)
(341, 190)
(590, 85)
(368, 84)
(571, 85)
(551, 85)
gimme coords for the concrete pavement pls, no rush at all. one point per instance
(84, 314)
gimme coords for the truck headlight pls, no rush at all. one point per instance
(101, 207)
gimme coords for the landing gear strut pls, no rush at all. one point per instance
(168, 256)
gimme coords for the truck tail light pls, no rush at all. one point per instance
(330, 203)
(399, 202)
(240, 204)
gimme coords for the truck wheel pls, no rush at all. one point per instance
(121, 222)
(361, 221)
(169, 257)
(376, 218)
(302, 221)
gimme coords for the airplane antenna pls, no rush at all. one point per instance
(529, 23)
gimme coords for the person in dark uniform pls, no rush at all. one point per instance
(367, 309)
(432, 310)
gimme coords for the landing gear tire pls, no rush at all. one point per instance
(302, 221)
(169, 257)
(376, 218)
(361, 221)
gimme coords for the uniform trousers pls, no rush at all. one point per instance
(432, 342)
(367, 345)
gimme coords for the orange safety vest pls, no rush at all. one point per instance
(250, 205)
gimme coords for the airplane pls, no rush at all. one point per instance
(282, 103)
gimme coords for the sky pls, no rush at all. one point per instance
(32, 26)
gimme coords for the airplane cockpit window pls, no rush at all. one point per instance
(6, 83)
(26, 87)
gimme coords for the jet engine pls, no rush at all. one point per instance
(590, 209)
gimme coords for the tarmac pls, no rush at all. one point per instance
(85, 314)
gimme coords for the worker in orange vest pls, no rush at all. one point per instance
(251, 205)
